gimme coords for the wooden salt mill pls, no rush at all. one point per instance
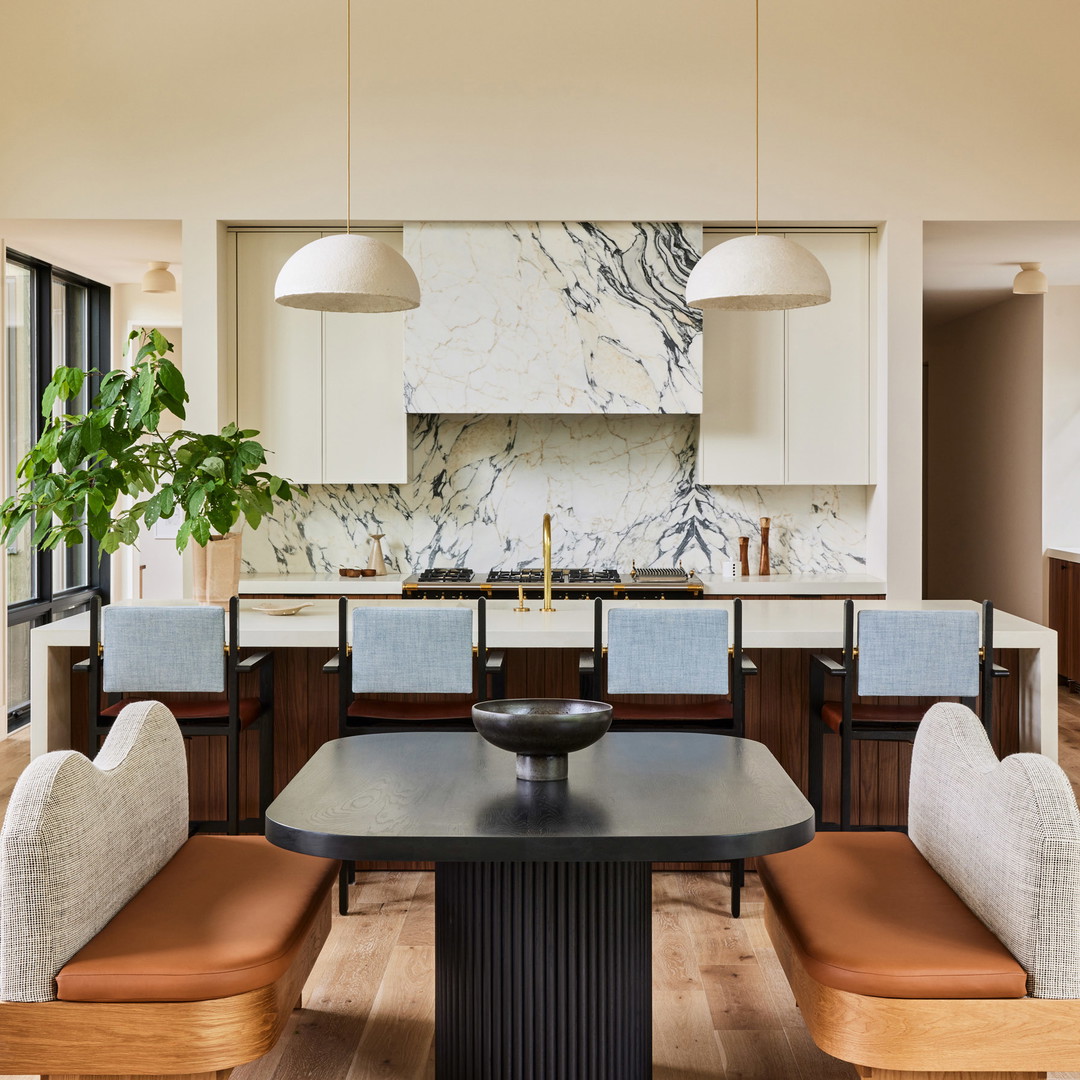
(744, 556)
(763, 565)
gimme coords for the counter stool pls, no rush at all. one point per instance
(149, 650)
(923, 654)
(655, 655)
(421, 654)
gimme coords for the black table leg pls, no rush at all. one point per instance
(543, 971)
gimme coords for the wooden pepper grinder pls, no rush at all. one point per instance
(744, 556)
(763, 565)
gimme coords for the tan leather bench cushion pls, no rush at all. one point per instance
(223, 916)
(866, 913)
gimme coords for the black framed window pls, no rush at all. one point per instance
(54, 318)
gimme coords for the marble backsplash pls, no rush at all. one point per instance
(551, 317)
(619, 488)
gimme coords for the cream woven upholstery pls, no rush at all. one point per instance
(81, 838)
(1006, 837)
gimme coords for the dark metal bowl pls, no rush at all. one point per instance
(541, 731)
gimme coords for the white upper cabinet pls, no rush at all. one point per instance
(323, 388)
(787, 393)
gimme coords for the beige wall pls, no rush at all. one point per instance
(984, 457)
(890, 111)
(483, 110)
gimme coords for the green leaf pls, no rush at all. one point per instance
(183, 534)
(152, 510)
(215, 466)
(157, 339)
(200, 531)
(90, 437)
(69, 452)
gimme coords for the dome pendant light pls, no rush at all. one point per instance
(1030, 281)
(758, 273)
(347, 271)
(158, 279)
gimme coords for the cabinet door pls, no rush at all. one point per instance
(828, 369)
(742, 415)
(365, 434)
(278, 359)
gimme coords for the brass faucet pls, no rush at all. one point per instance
(547, 564)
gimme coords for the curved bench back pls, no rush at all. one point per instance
(81, 838)
(1006, 837)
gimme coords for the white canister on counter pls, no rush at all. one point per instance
(729, 569)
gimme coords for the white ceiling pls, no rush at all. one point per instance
(968, 265)
(112, 252)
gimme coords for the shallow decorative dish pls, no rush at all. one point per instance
(280, 609)
(350, 571)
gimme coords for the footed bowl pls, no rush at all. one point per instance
(541, 731)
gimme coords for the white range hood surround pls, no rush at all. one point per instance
(553, 317)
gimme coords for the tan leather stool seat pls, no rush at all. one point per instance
(225, 915)
(866, 913)
(703, 711)
(459, 708)
(865, 712)
(204, 709)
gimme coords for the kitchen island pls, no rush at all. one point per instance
(780, 636)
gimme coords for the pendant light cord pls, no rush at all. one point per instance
(348, 117)
(757, 111)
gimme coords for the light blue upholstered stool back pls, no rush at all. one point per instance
(667, 652)
(918, 653)
(163, 649)
(413, 650)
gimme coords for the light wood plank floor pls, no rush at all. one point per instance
(722, 1007)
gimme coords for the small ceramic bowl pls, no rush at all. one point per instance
(350, 571)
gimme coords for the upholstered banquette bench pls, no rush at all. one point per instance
(128, 948)
(953, 951)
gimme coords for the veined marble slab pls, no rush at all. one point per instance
(546, 317)
(620, 489)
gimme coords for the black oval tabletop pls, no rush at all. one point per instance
(451, 796)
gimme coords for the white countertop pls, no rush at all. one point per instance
(715, 584)
(320, 584)
(1068, 554)
(793, 585)
(767, 624)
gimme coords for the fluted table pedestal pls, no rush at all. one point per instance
(543, 970)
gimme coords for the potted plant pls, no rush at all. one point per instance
(110, 471)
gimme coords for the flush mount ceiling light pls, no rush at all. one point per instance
(1031, 280)
(347, 271)
(157, 278)
(758, 273)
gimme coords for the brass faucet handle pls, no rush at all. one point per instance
(521, 599)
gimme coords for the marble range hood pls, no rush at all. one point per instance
(553, 317)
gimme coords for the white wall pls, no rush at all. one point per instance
(1061, 417)
(896, 111)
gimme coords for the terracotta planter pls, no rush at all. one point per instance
(217, 569)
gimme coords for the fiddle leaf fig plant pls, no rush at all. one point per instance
(73, 479)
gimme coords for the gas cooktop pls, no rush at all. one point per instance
(439, 579)
(578, 576)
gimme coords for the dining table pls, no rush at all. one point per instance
(543, 946)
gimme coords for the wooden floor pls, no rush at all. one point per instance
(722, 1007)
